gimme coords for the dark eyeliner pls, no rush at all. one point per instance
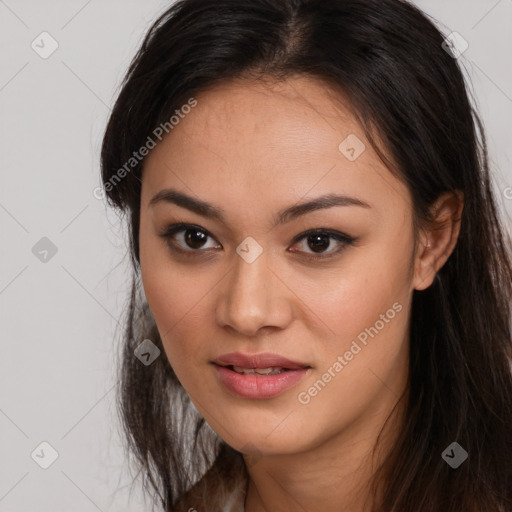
(171, 230)
(345, 240)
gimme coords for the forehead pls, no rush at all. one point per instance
(276, 141)
(299, 116)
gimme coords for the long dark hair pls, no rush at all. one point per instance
(388, 59)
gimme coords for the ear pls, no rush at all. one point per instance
(436, 244)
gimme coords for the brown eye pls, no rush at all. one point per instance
(319, 242)
(193, 241)
(195, 238)
(186, 238)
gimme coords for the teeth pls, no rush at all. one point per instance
(274, 370)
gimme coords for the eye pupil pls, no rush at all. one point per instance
(318, 243)
(195, 238)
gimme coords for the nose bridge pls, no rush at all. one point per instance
(251, 299)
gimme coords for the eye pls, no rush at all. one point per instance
(319, 241)
(188, 239)
(192, 238)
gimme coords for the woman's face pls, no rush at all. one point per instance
(247, 281)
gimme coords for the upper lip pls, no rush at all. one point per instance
(265, 360)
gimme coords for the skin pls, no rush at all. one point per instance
(252, 149)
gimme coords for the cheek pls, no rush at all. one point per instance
(173, 299)
(177, 304)
(369, 314)
(353, 298)
(364, 314)
(169, 287)
(178, 298)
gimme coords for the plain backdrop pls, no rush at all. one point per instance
(59, 316)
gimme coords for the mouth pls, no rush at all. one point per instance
(275, 370)
(258, 364)
(258, 376)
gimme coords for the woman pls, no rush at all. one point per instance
(321, 295)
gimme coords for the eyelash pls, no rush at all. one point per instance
(173, 229)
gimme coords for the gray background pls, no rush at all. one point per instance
(59, 317)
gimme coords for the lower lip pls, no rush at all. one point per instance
(259, 387)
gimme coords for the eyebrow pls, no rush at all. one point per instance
(288, 214)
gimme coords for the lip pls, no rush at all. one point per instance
(264, 360)
(258, 386)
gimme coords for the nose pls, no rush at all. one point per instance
(254, 298)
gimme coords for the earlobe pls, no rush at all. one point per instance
(425, 269)
(437, 244)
